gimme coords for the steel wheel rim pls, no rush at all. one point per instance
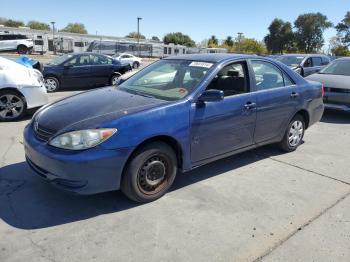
(11, 106)
(295, 133)
(50, 84)
(153, 175)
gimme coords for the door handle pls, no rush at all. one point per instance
(249, 105)
(294, 95)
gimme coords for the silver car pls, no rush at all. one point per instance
(305, 64)
(21, 88)
(336, 80)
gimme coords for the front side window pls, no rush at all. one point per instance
(266, 75)
(167, 79)
(231, 79)
(308, 63)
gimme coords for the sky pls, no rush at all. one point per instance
(198, 18)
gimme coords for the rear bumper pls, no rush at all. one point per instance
(345, 108)
(84, 172)
(337, 101)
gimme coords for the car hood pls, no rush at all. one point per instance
(93, 108)
(335, 81)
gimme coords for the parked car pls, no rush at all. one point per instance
(138, 135)
(21, 88)
(336, 80)
(134, 61)
(83, 70)
(304, 64)
(16, 42)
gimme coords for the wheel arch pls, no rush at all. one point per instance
(170, 141)
(15, 90)
(305, 114)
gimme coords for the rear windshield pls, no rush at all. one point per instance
(167, 79)
(337, 67)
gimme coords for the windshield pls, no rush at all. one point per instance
(337, 67)
(291, 60)
(60, 59)
(167, 79)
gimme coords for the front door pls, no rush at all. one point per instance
(277, 98)
(77, 72)
(227, 125)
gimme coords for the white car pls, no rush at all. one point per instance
(16, 42)
(21, 88)
(134, 61)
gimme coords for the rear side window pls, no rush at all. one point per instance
(266, 75)
(316, 61)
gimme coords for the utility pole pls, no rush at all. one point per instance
(53, 37)
(138, 33)
(239, 41)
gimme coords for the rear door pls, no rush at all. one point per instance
(101, 69)
(77, 72)
(277, 99)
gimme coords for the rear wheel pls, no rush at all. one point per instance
(150, 172)
(135, 65)
(13, 105)
(114, 79)
(22, 49)
(52, 84)
(294, 134)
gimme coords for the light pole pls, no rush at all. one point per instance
(138, 33)
(53, 37)
(239, 41)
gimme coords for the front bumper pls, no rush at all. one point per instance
(84, 172)
(35, 96)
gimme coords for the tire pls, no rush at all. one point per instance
(13, 105)
(135, 65)
(150, 172)
(294, 134)
(114, 79)
(52, 84)
(22, 49)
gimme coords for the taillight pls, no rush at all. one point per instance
(322, 90)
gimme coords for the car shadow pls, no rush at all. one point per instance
(335, 117)
(27, 202)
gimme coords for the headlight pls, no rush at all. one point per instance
(82, 139)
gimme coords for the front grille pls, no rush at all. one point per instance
(336, 90)
(43, 133)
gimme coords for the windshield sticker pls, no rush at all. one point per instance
(201, 64)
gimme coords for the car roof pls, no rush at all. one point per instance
(214, 58)
(342, 58)
(305, 55)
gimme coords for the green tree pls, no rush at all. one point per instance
(135, 35)
(38, 25)
(2, 20)
(155, 38)
(309, 31)
(229, 41)
(213, 41)
(252, 46)
(13, 23)
(340, 51)
(343, 29)
(178, 38)
(75, 28)
(280, 36)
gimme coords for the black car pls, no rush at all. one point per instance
(83, 70)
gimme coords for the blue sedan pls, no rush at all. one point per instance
(82, 70)
(176, 114)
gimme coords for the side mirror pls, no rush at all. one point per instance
(211, 95)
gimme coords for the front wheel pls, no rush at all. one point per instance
(13, 105)
(150, 172)
(22, 49)
(294, 134)
(52, 84)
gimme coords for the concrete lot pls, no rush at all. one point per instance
(259, 205)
